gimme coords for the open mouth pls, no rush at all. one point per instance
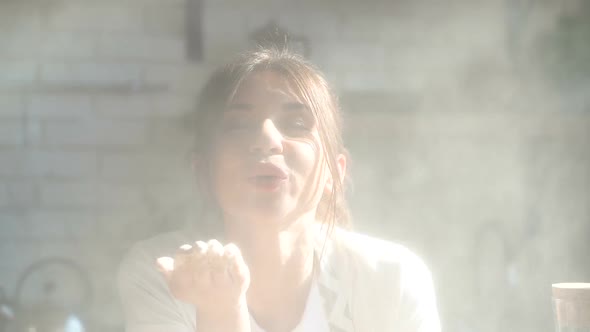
(267, 182)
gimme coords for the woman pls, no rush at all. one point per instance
(270, 155)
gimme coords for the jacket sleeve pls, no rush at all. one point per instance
(418, 310)
(147, 303)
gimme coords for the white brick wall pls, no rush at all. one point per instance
(11, 161)
(4, 200)
(90, 73)
(61, 164)
(19, 44)
(169, 106)
(72, 195)
(127, 106)
(73, 225)
(33, 132)
(164, 19)
(138, 167)
(94, 147)
(68, 45)
(111, 16)
(19, 15)
(47, 163)
(53, 105)
(141, 47)
(122, 196)
(77, 149)
(11, 105)
(181, 78)
(95, 132)
(48, 226)
(20, 194)
(11, 132)
(15, 226)
(17, 72)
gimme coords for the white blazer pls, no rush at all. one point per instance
(366, 284)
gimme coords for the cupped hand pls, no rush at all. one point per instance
(210, 276)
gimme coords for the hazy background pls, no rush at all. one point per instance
(468, 124)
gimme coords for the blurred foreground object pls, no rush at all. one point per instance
(571, 306)
(52, 295)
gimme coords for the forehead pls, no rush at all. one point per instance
(266, 84)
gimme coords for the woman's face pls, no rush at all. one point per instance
(268, 164)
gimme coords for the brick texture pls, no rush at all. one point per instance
(58, 105)
(446, 136)
(100, 74)
(11, 105)
(11, 132)
(141, 47)
(17, 73)
(73, 195)
(109, 16)
(94, 133)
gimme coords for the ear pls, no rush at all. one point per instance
(341, 163)
(341, 169)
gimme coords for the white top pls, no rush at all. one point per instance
(313, 319)
(365, 284)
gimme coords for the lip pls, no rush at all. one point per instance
(268, 170)
(267, 177)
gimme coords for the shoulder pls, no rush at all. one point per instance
(375, 253)
(138, 265)
(392, 270)
(147, 303)
(164, 244)
(392, 278)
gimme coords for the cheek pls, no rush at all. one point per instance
(226, 153)
(225, 168)
(307, 162)
(302, 156)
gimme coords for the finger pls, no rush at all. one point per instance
(200, 263)
(182, 256)
(215, 255)
(238, 270)
(241, 274)
(215, 248)
(186, 247)
(166, 266)
(201, 247)
(232, 258)
(178, 281)
(180, 284)
(218, 267)
(231, 250)
(199, 253)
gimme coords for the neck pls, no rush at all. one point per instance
(281, 263)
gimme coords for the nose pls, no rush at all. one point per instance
(268, 140)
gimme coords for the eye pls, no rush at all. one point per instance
(296, 125)
(300, 124)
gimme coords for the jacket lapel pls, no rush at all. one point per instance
(334, 289)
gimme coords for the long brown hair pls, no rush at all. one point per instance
(314, 90)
